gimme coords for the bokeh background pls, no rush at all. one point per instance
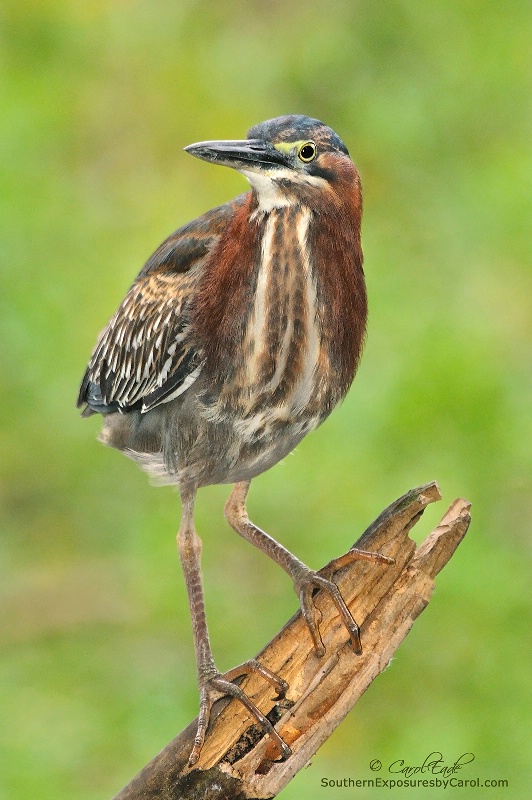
(97, 100)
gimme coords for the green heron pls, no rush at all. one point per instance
(238, 337)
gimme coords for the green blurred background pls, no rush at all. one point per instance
(97, 100)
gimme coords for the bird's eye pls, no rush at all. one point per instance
(307, 152)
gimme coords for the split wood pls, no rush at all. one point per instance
(239, 762)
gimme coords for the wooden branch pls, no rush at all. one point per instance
(238, 761)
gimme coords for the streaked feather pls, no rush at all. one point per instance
(146, 354)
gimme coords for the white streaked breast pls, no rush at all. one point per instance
(258, 323)
(304, 388)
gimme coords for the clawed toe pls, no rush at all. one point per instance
(280, 685)
(305, 589)
(307, 581)
(219, 686)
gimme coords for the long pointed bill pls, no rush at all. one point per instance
(243, 154)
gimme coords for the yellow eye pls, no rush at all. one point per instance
(307, 152)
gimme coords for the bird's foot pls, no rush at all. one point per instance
(307, 581)
(217, 685)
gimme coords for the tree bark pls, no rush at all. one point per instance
(238, 761)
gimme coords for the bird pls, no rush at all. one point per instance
(239, 336)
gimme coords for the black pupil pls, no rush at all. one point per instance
(307, 152)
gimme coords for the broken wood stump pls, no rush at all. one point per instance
(240, 762)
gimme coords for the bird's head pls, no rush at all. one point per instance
(289, 160)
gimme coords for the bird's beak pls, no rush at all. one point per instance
(246, 154)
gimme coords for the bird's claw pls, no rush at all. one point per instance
(308, 581)
(219, 686)
(305, 589)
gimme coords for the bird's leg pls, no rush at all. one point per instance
(212, 684)
(305, 579)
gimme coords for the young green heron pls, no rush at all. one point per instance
(239, 336)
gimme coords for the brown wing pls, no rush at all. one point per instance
(146, 355)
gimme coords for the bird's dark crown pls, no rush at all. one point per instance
(296, 128)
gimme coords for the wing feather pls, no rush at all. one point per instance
(147, 355)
